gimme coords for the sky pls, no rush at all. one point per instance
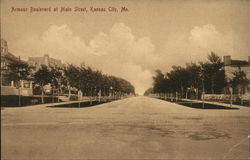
(131, 44)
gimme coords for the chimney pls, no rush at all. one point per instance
(227, 60)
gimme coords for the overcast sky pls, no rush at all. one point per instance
(150, 35)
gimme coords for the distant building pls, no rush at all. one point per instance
(6, 56)
(232, 66)
(10, 87)
(4, 47)
(45, 60)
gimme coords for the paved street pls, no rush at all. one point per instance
(133, 128)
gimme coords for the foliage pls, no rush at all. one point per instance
(213, 74)
(158, 84)
(90, 81)
(148, 91)
(239, 81)
(18, 70)
(43, 76)
(192, 77)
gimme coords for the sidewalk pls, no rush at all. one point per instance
(102, 99)
(200, 101)
(212, 102)
(47, 104)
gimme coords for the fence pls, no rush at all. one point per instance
(222, 98)
(7, 90)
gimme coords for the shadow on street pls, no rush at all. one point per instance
(200, 105)
(77, 105)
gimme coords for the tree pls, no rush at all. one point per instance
(194, 74)
(180, 79)
(18, 70)
(148, 91)
(214, 74)
(57, 79)
(209, 75)
(91, 81)
(239, 82)
(42, 77)
(158, 83)
(72, 74)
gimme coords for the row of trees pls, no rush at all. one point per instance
(83, 78)
(92, 81)
(208, 77)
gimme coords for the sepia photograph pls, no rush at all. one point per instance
(125, 79)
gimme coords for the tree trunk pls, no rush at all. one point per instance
(181, 91)
(19, 94)
(58, 95)
(197, 93)
(42, 95)
(69, 91)
(91, 94)
(53, 94)
(176, 96)
(241, 95)
(212, 86)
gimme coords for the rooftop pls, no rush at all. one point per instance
(239, 62)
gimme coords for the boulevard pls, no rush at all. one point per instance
(132, 128)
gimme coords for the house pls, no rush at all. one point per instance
(45, 60)
(10, 87)
(231, 66)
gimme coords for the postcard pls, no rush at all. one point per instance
(131, 79)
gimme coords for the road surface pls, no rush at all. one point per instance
(132, 128)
